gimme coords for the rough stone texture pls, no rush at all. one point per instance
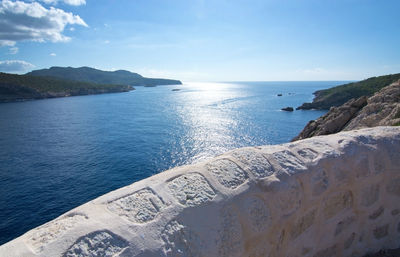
(344, 224)
(336, 203)
(179, 241)
(49, 232)
(98, 243)
(228, 173)
(369, 195)
(349, 241)
(376, 214)
(301, 225)
(141, 206)
(333, 121)
(381, 109)
(230, 241)
(328, 252)
(191, 189)
(394, 187)
(381, 231)
(254, 162)
(318, 197)
(257, 213)
(288, 161)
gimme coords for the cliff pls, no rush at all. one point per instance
(381, 109)
(336, 96)
(24, 87)
(336, 195)
(91, 75)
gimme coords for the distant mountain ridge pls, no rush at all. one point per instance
(91, 75)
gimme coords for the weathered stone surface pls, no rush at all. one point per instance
(394, 187)
(308, 201)
(179, 241)
(98, 243)
(255, 162)
(303, 223)
(333, 121)
(376, 214)
(349, 241)
(230, 241)
(336, 203)
(256, 212)
(381, 231)
(288, 161)
(344, 224)
(228, 173)
(141, 206)
(191, 189)
(290, 200)
(41, 236)
(395, 212)
(308, 153)
(328, 252)
(320, 182)
(382, 109)
(369, 195)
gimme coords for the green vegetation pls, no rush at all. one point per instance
(21, 87)
(87, 74)
(336, 96)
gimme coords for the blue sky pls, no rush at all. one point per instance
(205, 40)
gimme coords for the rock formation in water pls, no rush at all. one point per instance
(381, 109)
(336, 195)
(287, 109)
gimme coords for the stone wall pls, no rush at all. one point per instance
(336, 195)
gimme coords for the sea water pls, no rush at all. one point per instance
(56, 154)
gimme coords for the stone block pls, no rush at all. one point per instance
(191, 189)
(228, 173)
(139, 207)
(334, 204)
(255, 162)
(99, 243)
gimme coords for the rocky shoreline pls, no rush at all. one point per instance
(381, 109)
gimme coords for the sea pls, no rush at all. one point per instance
(56, 154)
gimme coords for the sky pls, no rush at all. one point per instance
(205, 40)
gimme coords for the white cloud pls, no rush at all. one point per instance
(53, 54)
(6, 43)
(107, 42)
(16, 66)
(13, 50)
(70, 2)
(21, 21)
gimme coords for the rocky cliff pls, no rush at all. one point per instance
(336, 195)
(337, 96)
(381, 109)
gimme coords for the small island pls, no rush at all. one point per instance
(288, 109)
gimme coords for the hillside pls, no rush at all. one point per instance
(87, 74)
(336, 96)
(381, 109)
(24, 87)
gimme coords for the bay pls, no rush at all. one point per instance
(56, 154)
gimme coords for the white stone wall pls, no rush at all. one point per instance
(336, 195)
